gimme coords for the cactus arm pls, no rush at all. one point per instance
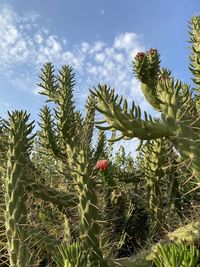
(49, 140)
(128, 123)
(62, 95)
(88, 210)
(153, 163)
(195, 51)
(60, 199)
(146, 67)
(15, 188)
(88, 125)
(48, 82)
(183, 136)
(65, 111)
(82, 170)
(100, 147)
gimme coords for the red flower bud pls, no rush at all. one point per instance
(140, 56)
(102, 165)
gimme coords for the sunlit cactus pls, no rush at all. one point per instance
(194, 67)
(69, 138)
(153, 162)
(19, 145)
(87, 196)
(165, 94)
(71, 256)
(176, 255)
(178, 107)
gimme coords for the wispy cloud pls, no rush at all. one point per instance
(25, 45)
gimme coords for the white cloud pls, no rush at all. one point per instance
(128, 42)
(100, 57)
(85, 47)
(25, 44)
(38, 38)
(96, 47)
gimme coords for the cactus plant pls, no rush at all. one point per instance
(153, 168)
(177, 103)
(71, 144)
(176, 255)
(160, 168)
(15, 188)
(165, 94)
(68, 192)
(71, 256)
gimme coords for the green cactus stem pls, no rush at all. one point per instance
(194, 66)
(153, 162)
(176, 124)
(60, 199)
(88, 210)
(71, 136)
(127, 121)
(15, 188)
(146, 66)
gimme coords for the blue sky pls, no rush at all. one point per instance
(97, 38)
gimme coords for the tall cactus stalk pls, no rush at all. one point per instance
(153, 159)
(194, 56)
(68, 137)
(160, 170)
(88, 210)
(15, 188)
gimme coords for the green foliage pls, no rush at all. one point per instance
(176, 255)
(123, 161)
(71, 256)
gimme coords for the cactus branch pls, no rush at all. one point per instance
(129, 123)
(15, 188)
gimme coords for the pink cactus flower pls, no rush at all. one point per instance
(102, 165)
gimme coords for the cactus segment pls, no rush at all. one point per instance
(130, 124)
(19, 142)
(72, 136)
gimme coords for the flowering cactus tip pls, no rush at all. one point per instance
(102, 165)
